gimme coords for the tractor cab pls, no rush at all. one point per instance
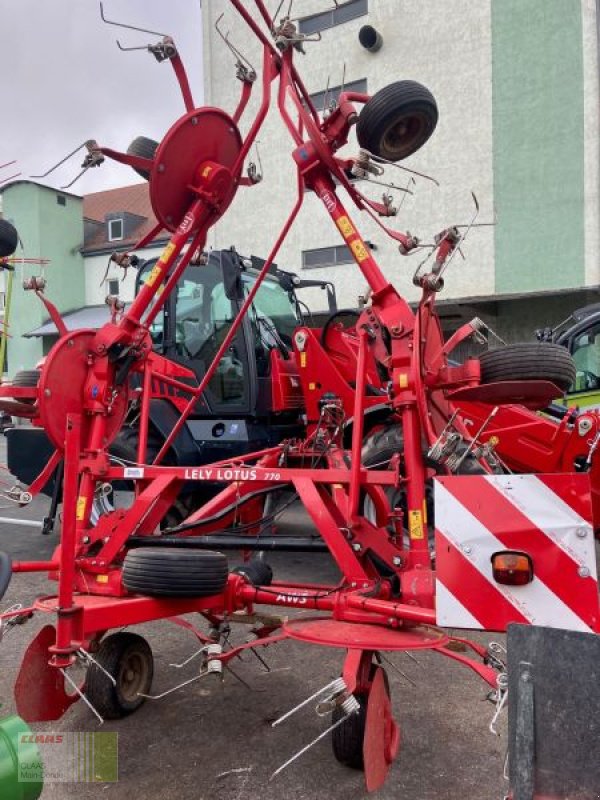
(259, 363)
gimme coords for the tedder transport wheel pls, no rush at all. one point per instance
(9, 238)
(170, 572)
(26, 377)
(128, 658)
(527, 362)
(397, 120)
(347, 739)
(145, 148)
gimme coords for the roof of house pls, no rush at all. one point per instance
(87, 317)
(133, 199)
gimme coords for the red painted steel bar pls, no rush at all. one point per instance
(233, 328)
(358, 427)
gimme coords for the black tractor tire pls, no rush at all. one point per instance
(124, 448)
(377, 451)
(9, 238)
(347, 739)
(26, 377)
(527, 362)
(143, 147)
(170, 572)
(128, 658)
(397, 120)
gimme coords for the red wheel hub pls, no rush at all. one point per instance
(204, 136)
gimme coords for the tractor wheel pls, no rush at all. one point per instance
(128, 658)
(528, 362)
(397, 120)
(347, 739)
(169, 572)
(143, 147)
(124, 450)
(9, 238)
(377, 451)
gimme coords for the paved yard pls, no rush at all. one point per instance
(215, 741)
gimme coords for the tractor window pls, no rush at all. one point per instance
(586, 354)
(204, 315)
(274, 318)
(157, 328)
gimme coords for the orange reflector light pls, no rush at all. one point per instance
(512, 568)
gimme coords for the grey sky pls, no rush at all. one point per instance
(63, 80)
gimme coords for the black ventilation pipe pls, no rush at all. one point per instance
(370, 38)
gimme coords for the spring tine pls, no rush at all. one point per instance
(123, 25)
(174, 688)
(81, 694)
(338, 682)
(62, 161)
(412, 658)
(308, 746)
(89, 659)
(76, 178)
(191, 658)
(261, 659)
(398, 670)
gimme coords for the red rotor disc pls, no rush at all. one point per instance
(203, 135)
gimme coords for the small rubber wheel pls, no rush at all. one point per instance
(128, 658)
(26, 377)
(143, 147)
(170, 572)
(527, 362)
(9, 238)
(397, 120)
(347, 739)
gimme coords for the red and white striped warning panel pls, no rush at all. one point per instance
(548, 517)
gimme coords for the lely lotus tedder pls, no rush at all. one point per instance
(463, 455)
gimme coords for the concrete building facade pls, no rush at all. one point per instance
(516, 82)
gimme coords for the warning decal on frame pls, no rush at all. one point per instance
(80, 512)
(345, 226)
(359, 249)
(415, 525)
(153, 276)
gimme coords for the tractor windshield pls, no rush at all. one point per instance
(273, 312)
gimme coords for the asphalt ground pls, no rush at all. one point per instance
(214, 740)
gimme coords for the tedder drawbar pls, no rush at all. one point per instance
(512, 544)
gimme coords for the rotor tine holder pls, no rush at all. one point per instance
(335, 689)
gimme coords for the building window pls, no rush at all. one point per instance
(115, 229)
(331, 95)
(326, 257)
(113, 286)
(61, 200)
(335, 16)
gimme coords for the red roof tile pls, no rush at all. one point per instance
(134, 199)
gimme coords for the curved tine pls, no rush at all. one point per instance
(62, 161)
(123, 25)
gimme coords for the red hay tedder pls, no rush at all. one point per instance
(511, 493)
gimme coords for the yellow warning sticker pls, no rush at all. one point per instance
(166, 253)
(302, 359)
(101, 578)
(359, 249)
(425, 511)
(80, 512)
(312, 386)
(345, 226)
(153, 276)
(415, 524)
(403, 380)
